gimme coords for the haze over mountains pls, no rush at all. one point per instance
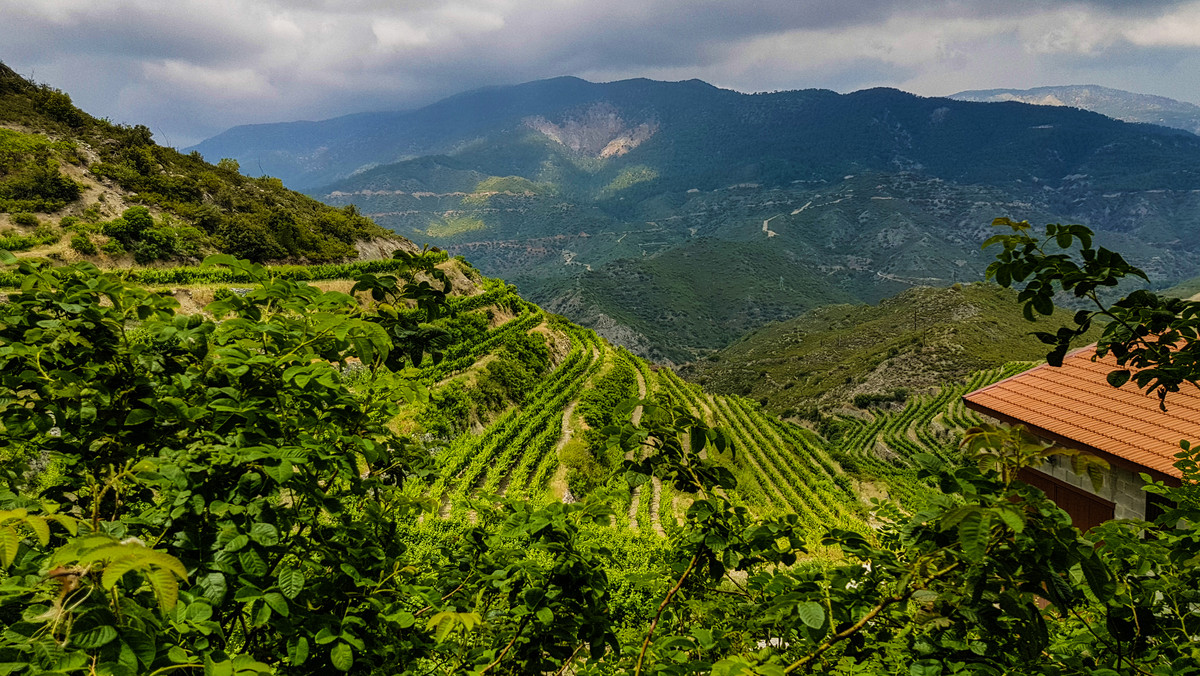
(673, 217)
(1115, 103)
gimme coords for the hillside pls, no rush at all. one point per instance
(73, 186)
(476, 453)
(1115, 103)
(920, 339)
(1189, 288)
(304, 469)
(674, 217)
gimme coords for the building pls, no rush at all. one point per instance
(1074, 406)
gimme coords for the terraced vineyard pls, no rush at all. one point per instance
(514, 453)
(780, 467)
(514, 448)
(881, 445)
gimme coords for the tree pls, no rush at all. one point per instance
(1153, 339)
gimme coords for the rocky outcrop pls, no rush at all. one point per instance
(599, 131)
(376, 248)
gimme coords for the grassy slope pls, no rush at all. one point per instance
(1186, 289)
(917, 339)
(56, 161)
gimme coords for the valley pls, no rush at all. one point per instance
(662, 246)
(678, 391)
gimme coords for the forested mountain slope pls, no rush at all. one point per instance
(73, 186)
(673, 217)
(916, 340)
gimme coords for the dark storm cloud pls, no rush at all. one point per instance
(193, 67)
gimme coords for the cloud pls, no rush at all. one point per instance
(194, 67)
(209, 83)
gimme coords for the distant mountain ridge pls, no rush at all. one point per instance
(1115, 103)
(672, 217)
(307, 154)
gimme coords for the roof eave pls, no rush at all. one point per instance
(1172, 478)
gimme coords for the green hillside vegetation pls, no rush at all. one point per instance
(701, 295)
(451, 226)
(75, 176)
(315, 481)
(1187, 289)
(514, 185)
(840, 354)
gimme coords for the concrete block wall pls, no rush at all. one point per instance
(1121, 487)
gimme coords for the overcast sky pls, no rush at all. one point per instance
(191, 68)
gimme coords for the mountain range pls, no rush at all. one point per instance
(672, 217)
(1115, 103)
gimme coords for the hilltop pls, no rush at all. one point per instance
(675, 216)
(73, 186)
(920, 339)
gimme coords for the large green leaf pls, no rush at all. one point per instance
(94, 637)
(342, 657)
(973, 533)
(264, 534)
(291, 581)
(298, 651)
(811, 613)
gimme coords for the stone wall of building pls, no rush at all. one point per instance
(1120, 486)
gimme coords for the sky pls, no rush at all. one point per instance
(189, 69)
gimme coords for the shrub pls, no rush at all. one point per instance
(898, 394)
(84, 245)
(113, 247)
(26, 219)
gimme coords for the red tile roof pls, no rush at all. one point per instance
(1074, 405)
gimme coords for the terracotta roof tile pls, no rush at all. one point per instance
(1076, 403)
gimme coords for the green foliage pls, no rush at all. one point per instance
(921, 338)
(15, 242)
(229, 504)
(136, 231)
(257, 218)
(1153, 339)
(513, 375)
(219, 275)
(30, 179)
(164, 422)
(589, 463)
(449, 410)
(26, 219)
(899, 394)
(84, 245)
(113, 247)
(598, 405)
